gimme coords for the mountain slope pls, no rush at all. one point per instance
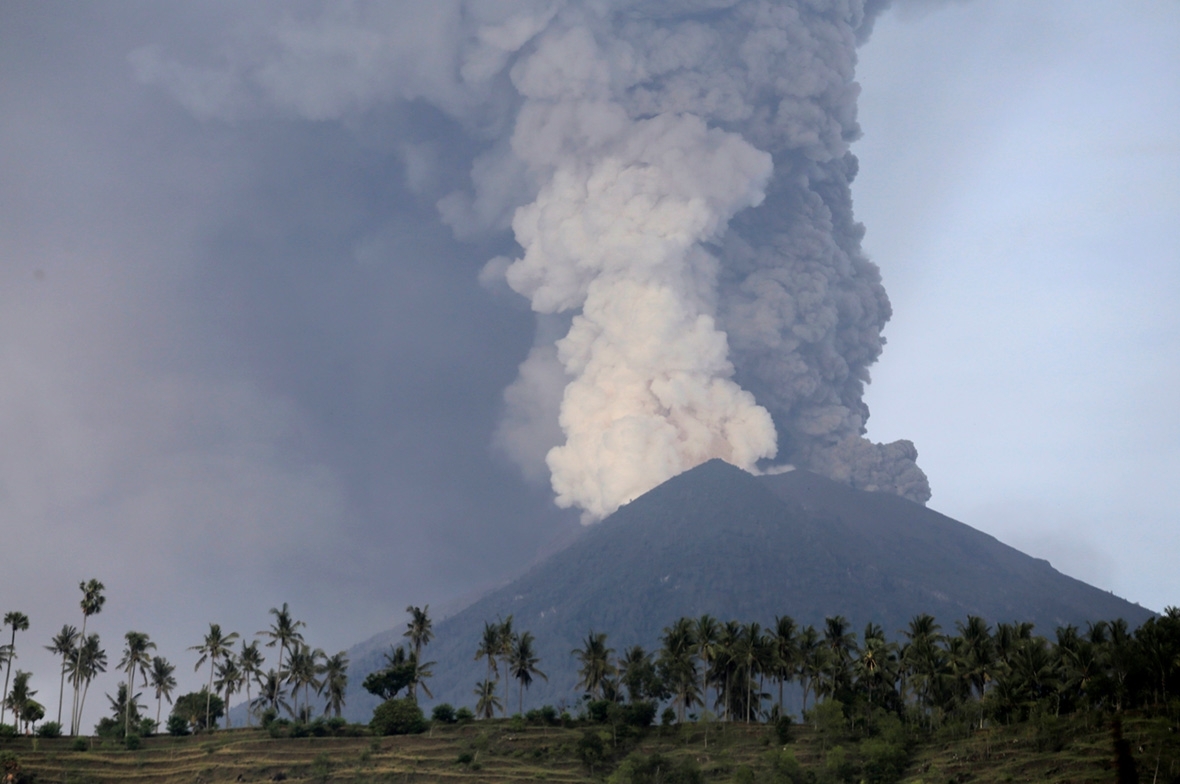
(718, 540)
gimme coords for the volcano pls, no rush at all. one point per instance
(721, 541)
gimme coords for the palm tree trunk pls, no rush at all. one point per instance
(74, 718)
(61, 691)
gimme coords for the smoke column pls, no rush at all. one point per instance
(676, 174)
(694, 212)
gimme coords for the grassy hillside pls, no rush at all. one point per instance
(1078, 749)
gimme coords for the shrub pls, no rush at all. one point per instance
(80, 744)
(132, 742)
(177, 726)
(465, 758)
(640, 714)
(443, 713)
(782, 729)
(657, 769)
(50, 729)
(7, 731)
(147, 728)
(884, 762)
(668, 717)
(398, 717)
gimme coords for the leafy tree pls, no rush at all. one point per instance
(335, 672)
(19, 699)
(92, 602)
(198, 709)
(135, 656)
(596, 667)
(396, 675)
(638, 674)
(215, 647)
(62, 645)
(523, 665)
(19, 623)
(163, 681)
(284, 633)
(398, 717)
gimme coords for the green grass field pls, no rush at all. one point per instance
(1068, 750)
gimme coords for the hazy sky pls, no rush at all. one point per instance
(243, 361)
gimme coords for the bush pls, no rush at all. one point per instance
(50, 729)
(147, 727)
(782, 729)
(398, 717)
(132, 742)
(668, 717)
(443, 713)
(464, 715)
(657, 769)
(268, 717)
(640, 714)
(7, 731)
(80, 744)
(884, 762)
(177, 726)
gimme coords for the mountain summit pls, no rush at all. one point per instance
(721, 541)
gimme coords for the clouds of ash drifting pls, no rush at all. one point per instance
(676, 177)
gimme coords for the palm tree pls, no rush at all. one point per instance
(301, 674)
(489, 648)
(215, 647)
(250, 660)
(92, 602)
(811, 660)
(135, 655)
(507, 643)
(786, 644)
(63, 645)
(19, 623)
(272, 694)
(596, 665)
(20, 696)
(335, 680)
(524, 664)
(418, 630)
(677, 664)
(284, 633)
(90, 661)
(229, 680)
(636, 672)
(487, 700)
(705, 635)
(162, 680)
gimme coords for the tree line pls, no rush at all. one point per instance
(299, 672)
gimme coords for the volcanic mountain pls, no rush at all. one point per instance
(721, 541)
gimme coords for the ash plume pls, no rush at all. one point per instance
(677, 177)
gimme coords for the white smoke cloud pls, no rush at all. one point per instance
(677, 176)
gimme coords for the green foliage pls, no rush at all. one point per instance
(668, 717)
(883, 762)
(7, 731)
(782, 729)
(443, 713)
(464, 715)
(132, 742)
(398, 717)
(80, 744)
(592, 749)
(50, 729)
(465, 758)
(177, 726)
(191, 708)
(785, 768)
(657, 769)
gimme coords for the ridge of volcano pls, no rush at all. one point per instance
(721, 541)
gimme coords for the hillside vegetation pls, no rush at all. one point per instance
(1079, 748)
